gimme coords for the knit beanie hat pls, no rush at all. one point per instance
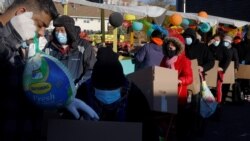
(107, 72)
(228, 39)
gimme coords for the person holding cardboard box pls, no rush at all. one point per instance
(222, 55)
(233, 54)
(174, 58)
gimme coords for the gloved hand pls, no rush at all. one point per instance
(78, 104)
(24, 25)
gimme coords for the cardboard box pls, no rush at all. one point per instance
(229, 76)
(160, 86)
(80, 130)
(243, 72)
(212, 75)
(196, 85)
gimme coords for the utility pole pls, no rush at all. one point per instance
(65, 6)
(184, 6)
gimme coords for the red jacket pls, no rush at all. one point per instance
(183, 66)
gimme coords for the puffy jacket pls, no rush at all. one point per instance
(148, 55)
(183, 66)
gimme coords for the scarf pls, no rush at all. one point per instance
(170, 62)
(157, 41)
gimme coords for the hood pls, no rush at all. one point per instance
(177, 40)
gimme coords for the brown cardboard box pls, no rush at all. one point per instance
(80, 130)
(243, 72)
(212, 75)
(159, 85)
(195, 86)
(229, 76)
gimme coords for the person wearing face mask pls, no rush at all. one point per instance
(75, 53)
(222, 55)
(112, 96)
(151, 53)
(20, 20)
(174, 58)
(233, 55)
(197, 50)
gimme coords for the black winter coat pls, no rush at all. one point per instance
(221, 54)
(19, 120)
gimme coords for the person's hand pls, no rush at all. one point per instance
(79, 104)
(200, 69)
(220, 69)
(211, 42)
(24, 25)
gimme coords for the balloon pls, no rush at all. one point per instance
(149, 32)
(116, 19)
(185, 22)
(160, 28)
(147, 24)
(129, 17)
(176, 19)
(203, 14)
(204, 27)
(47, 82)
(137, 26)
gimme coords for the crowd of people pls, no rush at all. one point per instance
(102, 87)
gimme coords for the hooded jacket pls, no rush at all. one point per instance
(79, 57)
(182, 65)
(198, 51)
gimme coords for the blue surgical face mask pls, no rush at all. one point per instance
(216, 43)
(189, 41)
(226, 44)
(61, 37)
(108, 96)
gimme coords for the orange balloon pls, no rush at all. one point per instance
(176, 19)
(203, 14)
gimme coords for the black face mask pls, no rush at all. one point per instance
(171, 53)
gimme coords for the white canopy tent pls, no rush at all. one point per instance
(141, 11)
(154, 12)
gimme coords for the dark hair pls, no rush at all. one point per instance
(38, 5)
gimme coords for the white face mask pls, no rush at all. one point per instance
(226, 44)
(216, 43)
(42, 42)
(188, 41)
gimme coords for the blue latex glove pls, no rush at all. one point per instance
(79, 104)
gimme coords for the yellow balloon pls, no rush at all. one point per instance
(129, 17)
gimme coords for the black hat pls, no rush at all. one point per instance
(157, 33)
(107, 72)
(68, 23)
